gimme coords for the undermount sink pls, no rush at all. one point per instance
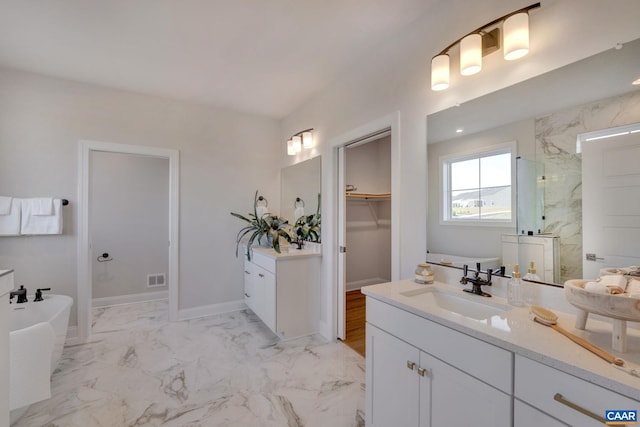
(471, 306)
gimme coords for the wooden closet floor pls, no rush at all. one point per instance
(356, 313)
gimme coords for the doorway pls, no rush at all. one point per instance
(365, 224)
(129, 227)
(85, 250)
(610, 206)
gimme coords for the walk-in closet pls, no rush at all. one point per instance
(368, 228)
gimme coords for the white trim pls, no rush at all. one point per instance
(129, 299)
(211, 309)
(605, 133)
(84, 273)
(328, 326)
(510, 147)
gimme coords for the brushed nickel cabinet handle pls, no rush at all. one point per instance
(411, 365)
(560, 398)
(246, 272)
(247, 295)
(421, 371)
(260, 274)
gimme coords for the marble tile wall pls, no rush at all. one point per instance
(226, 370)
(555, 136)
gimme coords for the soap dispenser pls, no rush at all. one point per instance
(514, 288)
(531, 274)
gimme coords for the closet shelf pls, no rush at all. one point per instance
(368, 196)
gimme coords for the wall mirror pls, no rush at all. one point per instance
(299, 188)
(543, 115)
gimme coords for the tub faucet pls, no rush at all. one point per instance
(20, 293)
(476, 281)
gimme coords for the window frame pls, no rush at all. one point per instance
(445, 185)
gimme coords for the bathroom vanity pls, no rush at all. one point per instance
(283, 290)
(438, 356)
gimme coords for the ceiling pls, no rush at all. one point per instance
(265, 57)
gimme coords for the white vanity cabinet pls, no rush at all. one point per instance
(283, 290)
(417, 377)
(566, 399)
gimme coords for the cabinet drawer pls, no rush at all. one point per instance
(489, 363)
(537, 384)
(264, 261)
(526, 416)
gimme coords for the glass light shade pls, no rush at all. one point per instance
(516, 36)
(290, 150)
(440, 72)
(307, 139)
(297, 143)
(471, 54)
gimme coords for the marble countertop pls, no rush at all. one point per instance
(285, 252)
(514, 331)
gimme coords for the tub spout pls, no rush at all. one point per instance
(20, 293)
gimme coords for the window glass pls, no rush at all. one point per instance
(478, 188)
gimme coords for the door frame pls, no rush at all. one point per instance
(330, 174)
(84, 265)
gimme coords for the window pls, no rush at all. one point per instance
(477, 188)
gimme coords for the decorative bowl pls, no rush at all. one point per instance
(621, 306)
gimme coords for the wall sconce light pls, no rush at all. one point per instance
(300, 140)
(483, 41)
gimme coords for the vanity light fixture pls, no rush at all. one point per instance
(300, 140)
(483, 41)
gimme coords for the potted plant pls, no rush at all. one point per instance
(268, 227)
(307, 227)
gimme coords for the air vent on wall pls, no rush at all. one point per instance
(155, 280)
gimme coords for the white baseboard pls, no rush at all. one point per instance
(128, 299)
(211, 309)
(357, 284)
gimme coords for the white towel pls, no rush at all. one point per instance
(596, 287)
(613, 280)
(42, 206)
(5, 205)
(41, 224)
(10, 224)
(633, 287)
(30, 364)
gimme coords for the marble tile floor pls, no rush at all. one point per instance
(227, 370)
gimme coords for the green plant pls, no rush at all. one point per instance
(308, 227)
(267, 226)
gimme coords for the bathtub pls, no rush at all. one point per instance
(42, 324)
(459, 261)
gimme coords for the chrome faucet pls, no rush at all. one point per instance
(476, 281)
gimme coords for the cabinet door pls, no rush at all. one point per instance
(451, 397)
(526, 416)
(260, 293)
(392, 383)
(250, 297)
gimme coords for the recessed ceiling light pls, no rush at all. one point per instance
(459, 130)
(636, 81)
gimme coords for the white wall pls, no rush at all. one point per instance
(469, 240)
(395, 78)
(224, 157)
(129, 219)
